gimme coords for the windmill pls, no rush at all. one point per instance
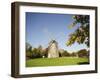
(53, 51)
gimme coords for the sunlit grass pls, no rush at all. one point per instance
(56, 61)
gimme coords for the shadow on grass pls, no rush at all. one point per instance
(82, 63)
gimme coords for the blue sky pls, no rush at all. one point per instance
(41, 28)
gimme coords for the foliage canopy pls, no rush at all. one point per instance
(81, 34)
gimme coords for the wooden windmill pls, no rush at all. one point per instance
(53, 51)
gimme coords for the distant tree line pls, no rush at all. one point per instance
(39, 52)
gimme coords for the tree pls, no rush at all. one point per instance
(81, 34)
(63, 53)
(28, 46)
(45, 52)
(73, 54)
(28, 50)
(40, 49)
(83, 53)
(37, 52)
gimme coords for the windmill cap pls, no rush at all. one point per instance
(53, 41)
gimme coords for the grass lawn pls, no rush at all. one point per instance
(56, 61)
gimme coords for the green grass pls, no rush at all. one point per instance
(56, 61)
